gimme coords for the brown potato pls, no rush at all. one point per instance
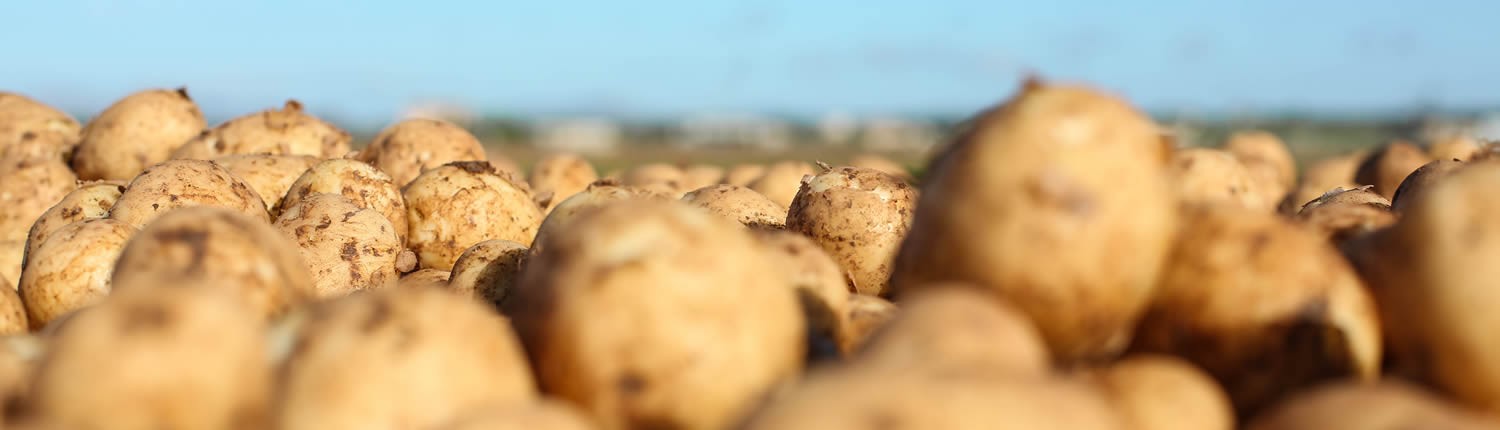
(782, 180)
(400, 358)
(1264, 306)
(743, 174)
(425, 278)
(71, 270)
(285, 131)
(28, 187)
(1320, 177)
(600, 311)
(859, 216)
(18, 359)
(1262, 148)
(563, 175)
(599, 194)
(488, 271)
(867, 314)
(88, 201)
(880, 163)
(1453, 148)
(701, 175)
(1420, 180)
(1388, 404)
(363, 184)
(12, 254)
(821, 285)
(667, 176)
(185, 183)
(957, 329)
(406, 149)
(33, 129)
(455, 206)
(1161, 392)
(1342, 214)
(543, 415)
(269, 175)
(12, 311)
(136, 132)
(221, 249)
(1388, 166)
(739, 204)
(1058, 202)
(155, 356)
(346, 248)
(1206, 176)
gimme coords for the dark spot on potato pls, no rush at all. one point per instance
(380, 313)
(173, 198)
(195, 240)
(349, 215)
(323, 225)
(475, 167)
(350, 251)
(146, 317)
(155, 206)
(28, 136)
(630, 384)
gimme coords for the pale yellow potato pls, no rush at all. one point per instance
(743, 174)
(488, 271)
(1388, 404)
(821, 285)
(90, 201)
(859, 216)
(866, 315)
(185, 183)
(701, 175)
(453, 207)
(406, 149)
(71, 270)
(1162, 392)
(1389, 165)
(285, 131)
(31, 128)
(363, 184)
(562, 175)
(1204, 176)
(346, 248)
(269, 175)
(28, 187)
(781, 181)
(739, 204)
(957, 329)
(136, 132)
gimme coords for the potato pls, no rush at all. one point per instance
(221, 249)
(543, 415)
(599, 194)
(860, 400)
(12, 256)
(136, 132)
(271, 176)
(345, 247)
(1342, 214)
(1453, 148)
(1431, 273)
(1058, 202)
(701, 175)
(12, 311)
(782, 180)
(455, 206)
(1264, 306)
(957, 329)
(1389, 404)
(1161, 392)
(739, 204)
(1364, 195)
(400, 358)
(71, 269)
(743, 174)
(1257, 149)
(1420, 180)
(157, 356)
(88, 201)
(667, 176)
(880, 163)
(18, 358)
(488, 271)
(408, 148)
(1206, 176)
(363, 184)
(1320, 177)
(867, 314)
(33, 129)
(821, 285)
(285, 131)
(28, 187)
(603, 313)
(563, 175)
(1387, 166)
(425, 278)
(859, 216)
(185, 183)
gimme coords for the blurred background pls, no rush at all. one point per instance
(724, 81)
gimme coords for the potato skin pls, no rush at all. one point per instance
(822, 287)
(1162, 392)
(221, 249)
(957, 329)
(1421, 179)
(400, 358)
(1320, 177)
(1388, 404)
(88, 201)
(1388, 166)
(859, 216)
(185, 183)
(155, 356)
(363, 184)
(136, 132)
(636, 264)
(668, 177)
(406, 149)
(743, 174)
(285, 131)
(1342, 214)
(12, 311)
(425, 278)
(345, 247)
(488, 271)
(739, 204)
(1071, 228)
(701, 175)
(881, 163)
(1259, 148)
(563, 175)
(866, 315)
(31, 128)
(455, 206)
(1206, 176)
(542, 415)
(269, 175)
(28, 187)
(71, 270)
(782, 180)
(1453, 148)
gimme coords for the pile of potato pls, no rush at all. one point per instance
(1063, 264)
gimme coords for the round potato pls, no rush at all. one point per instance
(31, 128)
(400, 358)
(1258, 148)
(1161, 392)
(1342, 214)
(136, 132)
(1388, 166)
(1264, 306)
(488, 270)
(455, 206)
(600, 313)
(563, 175)
(1420, 180)
(425, 278)
(666, 176)
(221, 249)
(867, 314)
(859, 216)
(363, 184)
(71, 270)
(89, 201)
(156, 357)
(1388, 404)
(880, 163)
(1453, 148)
(18, 359)
(185, 183)
(12, 254)
(543, 415)
(1058, 202)
(782, 180)
(12, 311)
(739, 204)
(957, 329)
(743, 174)
(1320, 177)
(269, 175)
(345, 247)
(408, 148)
(701, 175)
(285, 131)
(1206, 176)
(28, 187)
(821, 285)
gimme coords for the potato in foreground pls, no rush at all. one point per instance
(1388, 404)
(488, 271)
(866, 315)
(12, 311)
(346, 248)
(739, 204)
(72, 269)
(821, 286)
(1161, 392)
(136, 132)
(603, 313)
(859, 216)
(1342, 214)
(1420, 180)
(957, 329)
(1388, 166)
(455, 206)
(28, 187)
(542, 415)
(406, 149)
(185, 183)
(285, 131)
(31, 128)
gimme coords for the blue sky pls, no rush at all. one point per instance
(365, 60)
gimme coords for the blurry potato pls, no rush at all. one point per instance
(563, 175)
(269, 175)
(1206, 176)
(12, 312)
(455, 206)
(599, 194)
(185, 183)
(1420, 180)
(488, 271)
(406, 149)
(739, 204)
(820, 284)
(957, 329)
(285, 131)
(859, 216)
(866, 315)
(88, 201)
(363, 184)
(1161, 392)
(1451, 148)
(18, 361)
(701, 175)
(880, 163)
(1386, 405)
(781, 181)
(71, 270)
(136, 132)
(346, 248)
(28, 187)
(542, 415)
(1342, 214)
(1388, 166)
(425, 278)
(1320, 177)
(667, 176)
(743, 174)
(33, 129)
(1257, 148)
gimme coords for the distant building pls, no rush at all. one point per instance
(582, 135)
(1487, 128)
(438, 110)
(837, 128)
(888, 134)
(734, 130)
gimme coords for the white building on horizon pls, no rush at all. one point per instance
(896, 134)
(582, 135)
(734, 130)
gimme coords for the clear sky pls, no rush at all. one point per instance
(366, 60)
